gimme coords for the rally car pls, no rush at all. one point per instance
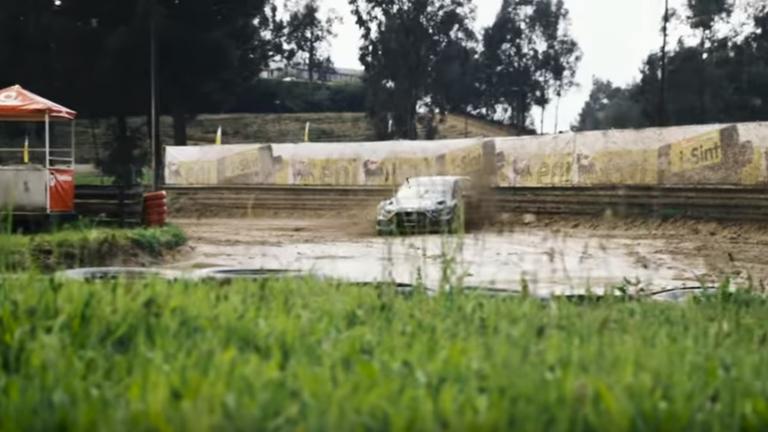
(424, 204)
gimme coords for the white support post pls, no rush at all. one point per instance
(47, 163)
(47, 141)
(72, 142)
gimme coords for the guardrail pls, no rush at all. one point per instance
(119, 205)
(241, 201)
(717, 203)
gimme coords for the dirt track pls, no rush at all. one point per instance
(550, 255)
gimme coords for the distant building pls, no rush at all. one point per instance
(301, 73)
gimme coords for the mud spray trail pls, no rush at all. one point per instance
(555, 257)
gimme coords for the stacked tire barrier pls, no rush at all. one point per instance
(155, 208)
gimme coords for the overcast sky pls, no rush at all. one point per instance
(615, 36)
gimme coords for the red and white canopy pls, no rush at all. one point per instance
(18, 104)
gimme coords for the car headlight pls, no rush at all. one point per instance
(386, 210)
(440, 211)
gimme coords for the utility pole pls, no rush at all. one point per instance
(156, 179)
(663, 84)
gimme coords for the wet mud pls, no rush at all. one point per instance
(547, 256)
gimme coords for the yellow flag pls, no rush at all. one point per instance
(218, 136)
(26, 150)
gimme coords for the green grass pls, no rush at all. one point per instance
(96, 178)
(84, 246)
(93, 178)
(308, 355)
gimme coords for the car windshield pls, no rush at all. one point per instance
(421, 191)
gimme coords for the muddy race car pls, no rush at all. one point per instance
(424, 204)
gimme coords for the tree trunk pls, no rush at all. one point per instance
(126, 172)
(122, 127)
(521, 112)
(158, 155)
(179, 126)
(662, 115)
(413, 132)
(95, 144)
(543, 110)
(311, 60)
(311, 65)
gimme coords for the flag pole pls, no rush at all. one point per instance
(25, 154)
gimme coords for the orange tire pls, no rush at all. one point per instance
(155, 196)
(155, 215)
(151, 205)
(154, 221)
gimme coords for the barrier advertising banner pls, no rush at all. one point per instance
(338, 164)
(676, 156)
(535, 161)
(61, 189)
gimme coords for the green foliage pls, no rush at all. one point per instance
(507, 59)
(156, 240)
(307, 37)
(721, 81)
(528, 57)
(609, 107)
(85, 247)
(208, 50)
(403, 44)
(125, 158)
(273, 96)
(94, 55)
(557, 61)
(306, 355)
(704, 13)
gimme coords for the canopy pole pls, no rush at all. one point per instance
(47, 141)
(47, 161)
(72, 142)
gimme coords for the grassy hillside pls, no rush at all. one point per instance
(270, 128)
(277, 128)
(324, 127)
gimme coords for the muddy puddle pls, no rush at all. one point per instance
(539, 260)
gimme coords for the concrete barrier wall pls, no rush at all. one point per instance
(337, 164)
(734, 154)
(678, 156)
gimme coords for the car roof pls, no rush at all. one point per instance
(435, 179)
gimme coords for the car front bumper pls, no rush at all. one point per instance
(414, 221)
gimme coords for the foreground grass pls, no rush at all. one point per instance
(304, 355)
(85, 247)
